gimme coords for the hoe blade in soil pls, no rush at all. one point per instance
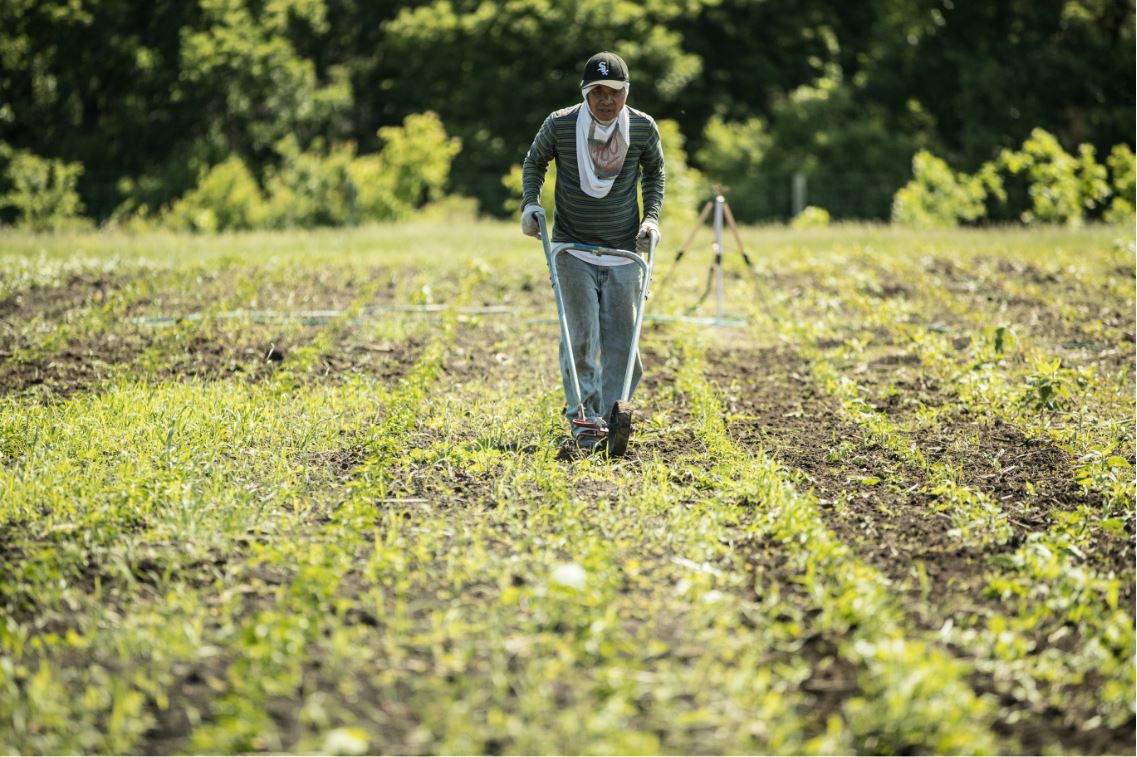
(619, 428)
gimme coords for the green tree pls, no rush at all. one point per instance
(94, 83)
(240, 63)
(226, 198)
(148, 95)
(989, 73)
(493, 71)
(324, 186)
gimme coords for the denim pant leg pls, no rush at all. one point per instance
(619, 296)
(581, 297)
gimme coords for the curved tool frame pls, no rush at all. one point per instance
(551, 253)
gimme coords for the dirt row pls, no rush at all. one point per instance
(987, 287)
(210, 353)
(878, 505)
(213, 349)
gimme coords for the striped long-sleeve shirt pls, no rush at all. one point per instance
(610, 221)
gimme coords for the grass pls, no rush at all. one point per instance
(228, 525)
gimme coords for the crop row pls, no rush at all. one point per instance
(1044, 583)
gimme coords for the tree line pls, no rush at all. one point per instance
(135, 103)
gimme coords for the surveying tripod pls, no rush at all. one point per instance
(715, 278)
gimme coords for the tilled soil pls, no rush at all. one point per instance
(1039, 315)
(69, 293)
(214, 351)
(872, 500)
(879, 505)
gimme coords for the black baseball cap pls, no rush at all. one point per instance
(608, 69)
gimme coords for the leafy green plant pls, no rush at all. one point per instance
(937, 196)
(42, 191)
(1049, 386)
(310, 188)
(1107, 474)
(810, 218)
(418, 155)
(324, 187)
(1062, 186)
(226, 198)
(1123, 176)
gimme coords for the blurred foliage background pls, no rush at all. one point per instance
(215, 114)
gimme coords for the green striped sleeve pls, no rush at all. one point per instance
(536, 163)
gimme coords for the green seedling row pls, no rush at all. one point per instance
(90, 320)
(385, 545)
(1044, 584)
(914, 694)
(1049, 565)
(1005, 372)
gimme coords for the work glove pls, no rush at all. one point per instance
(529, 225)
(643, 237)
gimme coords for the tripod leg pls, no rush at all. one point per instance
(734, 231)
(759, 288)
(706, 290)
(698, 224)
(683, 248)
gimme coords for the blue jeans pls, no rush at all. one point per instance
(600, 307)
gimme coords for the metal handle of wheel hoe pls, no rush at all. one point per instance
(551, 253)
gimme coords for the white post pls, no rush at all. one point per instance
(718, 257)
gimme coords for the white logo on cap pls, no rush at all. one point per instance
(603, 67)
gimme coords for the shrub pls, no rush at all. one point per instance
(410, 171)
(810, 218)
(309, 188)
(318, 187)
(1061, 187)
(374, 192)
(42, 191)
(937, 196)
(418, 156)
(1122, 172)
(226, 198)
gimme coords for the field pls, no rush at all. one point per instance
(310, 492)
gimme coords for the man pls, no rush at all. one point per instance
(603, 150)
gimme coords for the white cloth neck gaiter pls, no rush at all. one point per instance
(600, 149)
